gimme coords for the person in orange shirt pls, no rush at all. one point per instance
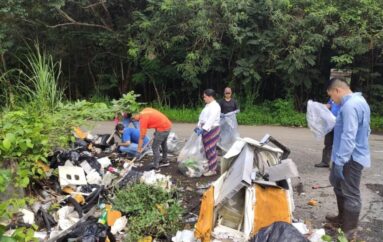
(151, 118)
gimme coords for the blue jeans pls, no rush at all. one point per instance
(131, 149)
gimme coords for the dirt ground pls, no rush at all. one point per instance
(305, 151)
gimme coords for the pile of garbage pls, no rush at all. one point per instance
(76, 200)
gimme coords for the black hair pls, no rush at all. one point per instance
(120, 127)
(332, 80)
(129, 115)
(209, 92)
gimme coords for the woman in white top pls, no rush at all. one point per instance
(208, 126)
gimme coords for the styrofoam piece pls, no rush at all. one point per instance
(71, 175)
(119, 225)
(87, 168)
(225, 233)
(184, 236)
(40, 235)
(94, 178)
(301, 227)
(64, 211)
(316, 236)
(108, 178)
(28, 216)
(286, 169)
(104, 162)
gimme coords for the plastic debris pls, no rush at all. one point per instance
(71, 175)
(312, 202)
(159, 180)
(316, 235)
(119, 225)
(94, 178)
(184, 236)
(301, 227)
(104, 162)
(28, 216)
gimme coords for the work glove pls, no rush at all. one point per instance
(198, 131)
(338, 171)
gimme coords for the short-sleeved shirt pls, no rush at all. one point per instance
(228, 106)
(133, 135)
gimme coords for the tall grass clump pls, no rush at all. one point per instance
(41, 79)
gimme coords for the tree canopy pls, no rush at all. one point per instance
(170, 50)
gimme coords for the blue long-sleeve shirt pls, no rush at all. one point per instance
(351, 131)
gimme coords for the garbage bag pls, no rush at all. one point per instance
(279, 231)
(174, 144)
(192, 158)
(229, 130)
(319, 119)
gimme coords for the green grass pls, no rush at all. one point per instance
(279, 112)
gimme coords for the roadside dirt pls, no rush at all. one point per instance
(305, 151)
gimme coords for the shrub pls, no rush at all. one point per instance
(151, 211)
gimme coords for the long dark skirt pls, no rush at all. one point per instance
(210, 140)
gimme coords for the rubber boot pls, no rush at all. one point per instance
(338, 219)
(350, 224)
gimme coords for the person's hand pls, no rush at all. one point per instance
(338, 171)
(138, 155)
(198, 131)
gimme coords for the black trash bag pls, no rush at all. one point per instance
(54, 160)
(131, 177)
(89, 231)
(100, 142)
(279, 232)
(92, 161)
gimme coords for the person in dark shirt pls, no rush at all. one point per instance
(228, 104)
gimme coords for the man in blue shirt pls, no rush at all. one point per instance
(350, 153)
(328, 139)
(129, 139)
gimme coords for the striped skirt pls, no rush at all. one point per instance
(210, 140)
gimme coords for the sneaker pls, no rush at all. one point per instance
(151, 166)
(210, 173)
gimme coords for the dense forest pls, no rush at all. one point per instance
(170, 50)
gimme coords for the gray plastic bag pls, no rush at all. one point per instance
(229, 130)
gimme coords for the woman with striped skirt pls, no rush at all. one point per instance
(208, 126)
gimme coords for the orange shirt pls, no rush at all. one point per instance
(151, 118)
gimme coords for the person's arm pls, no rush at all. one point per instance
(143, 130)
(348, 136)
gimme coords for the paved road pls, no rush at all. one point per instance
(306, 151)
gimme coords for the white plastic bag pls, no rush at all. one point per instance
(319, 119)
(192, 158)
(174, 144)
(229, 131)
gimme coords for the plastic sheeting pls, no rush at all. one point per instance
(279, 231)
(319, 119)
(192, 158)
(229, 131)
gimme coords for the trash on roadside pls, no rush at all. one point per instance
(184, 236)
(301, 227)
(192, 159)
(28, 216)
(279, 231)
(312, 202)
(71, 175)
(119, 225)
(242, 201)
(155, 179)
(104, 162)
(174, 144)
(316, 235)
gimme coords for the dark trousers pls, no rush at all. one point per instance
(326, 153)
(349, 188)
(160, 139)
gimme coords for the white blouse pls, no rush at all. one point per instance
(210, 116)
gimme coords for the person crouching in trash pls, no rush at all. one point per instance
(208, 127)
(129, 138)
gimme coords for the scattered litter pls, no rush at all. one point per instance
(159, 180)
(316, 235)
(279, 231)
(28, 216)
(312, 202)
(317, 186)
(301, 227)
(104, 162)
(71, 175)
(184, 236)
(119, 225)
(94, 178)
